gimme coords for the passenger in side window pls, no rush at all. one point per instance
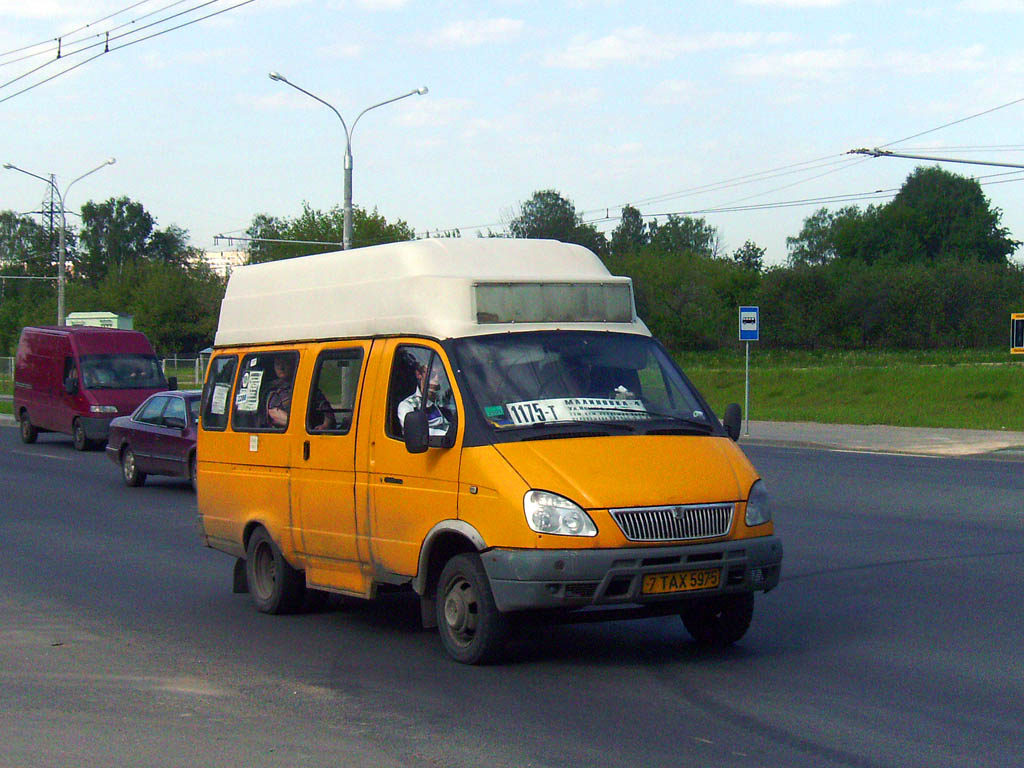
(436, 419)
(279, 393)
(321, 416)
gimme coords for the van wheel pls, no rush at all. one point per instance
(472, 628)
(717, 622)
(28, 432)
(78, 435)
(275, 586)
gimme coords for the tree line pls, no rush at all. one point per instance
(929, 269)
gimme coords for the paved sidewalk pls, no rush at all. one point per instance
(879, 438)
(874, 438)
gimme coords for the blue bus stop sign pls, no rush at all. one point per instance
(750, 324)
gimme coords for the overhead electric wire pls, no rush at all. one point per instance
(61, 44)
(79, 29)
(132, 42)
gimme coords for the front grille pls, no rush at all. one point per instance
(679, 523)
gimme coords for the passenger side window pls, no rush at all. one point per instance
(333, 392)
(419, 381)
(174, 414)
(263, 397)
(218, 392)
(152, 410)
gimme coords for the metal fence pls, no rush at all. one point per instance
(189, 368)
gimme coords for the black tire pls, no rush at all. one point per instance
(130, 469)
(28, 432)
(275, 586)
(192, 472)
(718, 622)
(471, 627)
(79, 437)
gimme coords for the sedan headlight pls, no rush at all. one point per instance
(759, 508)
(102, 409)
(551, 513)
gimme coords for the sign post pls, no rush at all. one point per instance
(750, 327)
(1017, 333)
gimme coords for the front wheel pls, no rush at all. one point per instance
(28, 432)
(472, 628)
(275, 586)
(719, 621)
(79, 436)
(130, 469)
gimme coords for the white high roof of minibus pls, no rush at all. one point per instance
(425, 288)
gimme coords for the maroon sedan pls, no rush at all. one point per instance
(158, 439)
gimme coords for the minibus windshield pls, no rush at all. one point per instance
(620, 382)
(122, 371)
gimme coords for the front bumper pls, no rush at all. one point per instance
(96, 428)
(530, 579)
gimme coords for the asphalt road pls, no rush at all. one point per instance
(894, 639)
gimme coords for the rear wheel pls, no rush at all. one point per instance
(471, 627)
(79, 437)
(719, 621)
(275, 586)
(28, 432)
(130, 470)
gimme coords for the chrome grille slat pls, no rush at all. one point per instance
(675, 523)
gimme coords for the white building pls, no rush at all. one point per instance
(222, 262)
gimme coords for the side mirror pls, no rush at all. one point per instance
(70, 385)
(416, 431)
(447, 440)
(172, 382)
(733, 420)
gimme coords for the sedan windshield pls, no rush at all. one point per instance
(122, 371)
(620, 382)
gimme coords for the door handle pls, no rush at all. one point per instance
(393, 480)
(305, 450)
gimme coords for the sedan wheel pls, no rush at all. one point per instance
(130, 470)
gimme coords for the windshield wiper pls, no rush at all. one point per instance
(570, 423)
(703, 427)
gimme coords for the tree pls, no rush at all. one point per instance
(750, 256)
(120, 232)
(548, 215)
(25, 246)
(631, 235)
(322, 231)
(685, 234)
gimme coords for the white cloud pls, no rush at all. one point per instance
(797, 3)
(479, 32)
(562, 98)
(992, 6)
(827, 63)
(637, 45)
(671, 92)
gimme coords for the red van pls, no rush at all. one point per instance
(76, 379)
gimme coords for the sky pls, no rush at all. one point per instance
(740, 111)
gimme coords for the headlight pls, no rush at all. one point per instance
(551, 513)
(759, 507)
(102, 409)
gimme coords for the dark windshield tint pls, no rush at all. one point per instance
(560, 377)
(123, 371)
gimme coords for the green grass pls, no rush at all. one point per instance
(961, 389)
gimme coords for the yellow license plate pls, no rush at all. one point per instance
(681, 581)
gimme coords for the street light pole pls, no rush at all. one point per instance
(63, 225)
(347, 231)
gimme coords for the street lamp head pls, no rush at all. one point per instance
(111, 161)
(277, 76)
(422, 90)
(8, 166)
